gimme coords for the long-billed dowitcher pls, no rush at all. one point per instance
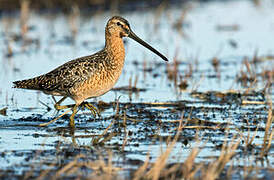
(89, 76)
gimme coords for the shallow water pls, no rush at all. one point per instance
(232, 32)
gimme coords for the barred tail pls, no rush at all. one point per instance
(26, 84)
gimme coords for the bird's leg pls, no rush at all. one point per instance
(74, 111)
(74, 108)
(92, 108)
(57, 105)
(55, 119)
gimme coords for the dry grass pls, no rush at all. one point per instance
(222, 166)
(103, 168)
(25, 11)
(268, 134)
(160, 169)
(214, 169)
(64, 5)
(73, 20)
(99, 169)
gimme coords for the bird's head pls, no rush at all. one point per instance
(119, 27)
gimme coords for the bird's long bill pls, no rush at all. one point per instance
(136, 38)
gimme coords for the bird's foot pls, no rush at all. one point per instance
(92, 108)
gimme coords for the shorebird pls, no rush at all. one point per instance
(89, 76)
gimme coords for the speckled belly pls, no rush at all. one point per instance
(96, 85)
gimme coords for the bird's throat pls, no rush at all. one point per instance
(115, 47)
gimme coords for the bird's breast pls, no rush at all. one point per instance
(101, 81)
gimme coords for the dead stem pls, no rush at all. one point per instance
(125, 131)
(97, 139)
(216, 167)
(267, 137)
(154, 172)
(24, 16)
(73, 20)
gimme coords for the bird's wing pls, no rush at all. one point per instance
(66, 75)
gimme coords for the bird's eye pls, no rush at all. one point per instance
(119, 24)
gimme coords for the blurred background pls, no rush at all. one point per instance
(218, 82)
(121, 5)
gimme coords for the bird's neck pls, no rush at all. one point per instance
(115, 47)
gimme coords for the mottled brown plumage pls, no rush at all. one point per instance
(79, 79)
(89, 76)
